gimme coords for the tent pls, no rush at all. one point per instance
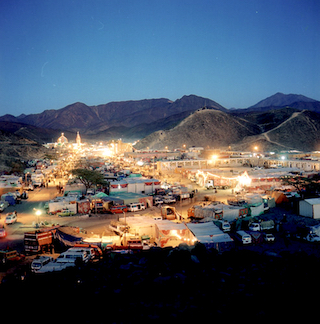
(279, 197)
(99, 195)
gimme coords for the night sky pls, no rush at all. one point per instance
(57, 52)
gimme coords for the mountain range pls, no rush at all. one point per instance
(126, 119)
(279, 122)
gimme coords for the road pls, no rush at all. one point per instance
(26, 216)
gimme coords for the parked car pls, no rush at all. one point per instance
(169, 199)
(3, 205)
(312, 238)
(11, 218)
(3, 232)
(268, 237)
(157, 200)
(65, 212)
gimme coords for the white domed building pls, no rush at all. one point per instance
(62, 140)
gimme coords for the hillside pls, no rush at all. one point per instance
(15, 149)
(284, 129)
(274, 130)
(125, 114)
(205, 127)
(33, 133)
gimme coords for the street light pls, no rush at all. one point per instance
(38, 213)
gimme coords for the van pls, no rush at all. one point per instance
(90, 251)
(136, 206)
(72, 256)
(39, 262)
(244, 237)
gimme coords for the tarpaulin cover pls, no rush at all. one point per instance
(10, 199)
(257, 210)
(68, 239)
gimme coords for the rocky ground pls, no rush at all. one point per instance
(12, 155)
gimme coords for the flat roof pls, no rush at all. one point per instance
(313, 201)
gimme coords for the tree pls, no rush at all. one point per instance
(309, 185)
(89, 177)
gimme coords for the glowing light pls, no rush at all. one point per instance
(107, 152)
(244, 179)
(175, 233)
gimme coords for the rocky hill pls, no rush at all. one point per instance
(205, 127)
(15, 149)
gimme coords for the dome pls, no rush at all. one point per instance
(62, 139)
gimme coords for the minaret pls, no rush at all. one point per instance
(78, 139)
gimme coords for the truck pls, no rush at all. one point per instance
(170, 213)
(262, 225)
(218, 183)
(39, 241)
(10, 256)
(223, 225)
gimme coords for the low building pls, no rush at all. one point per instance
(310, 208)
(131, 197)
(135, 185)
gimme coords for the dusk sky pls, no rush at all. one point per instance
(236, 52)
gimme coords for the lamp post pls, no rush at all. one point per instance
(38, 213)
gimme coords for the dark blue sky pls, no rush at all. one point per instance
(236, 52)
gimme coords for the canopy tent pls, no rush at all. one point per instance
(99, 195)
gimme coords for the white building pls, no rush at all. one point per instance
(310, 208)
(135, 185)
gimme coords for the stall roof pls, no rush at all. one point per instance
(204, 229)
(219, 238)
(166, 225)
(208, 233)
(126, 195)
